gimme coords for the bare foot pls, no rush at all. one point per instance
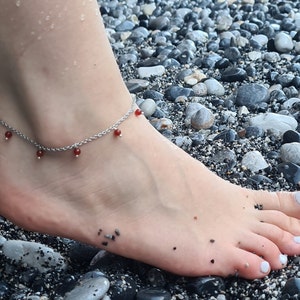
(141, 197)
(138, 196)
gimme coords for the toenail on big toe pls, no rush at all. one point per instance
(297, 197)
(283, 259)
(264, 267)
(297, 239)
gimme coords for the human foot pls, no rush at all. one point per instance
(143, 198)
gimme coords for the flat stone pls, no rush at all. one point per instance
(276, 124)
(153, 294)
(146, 72)
(254, 161)
(290, 171)
(89, 289)
(33, 254)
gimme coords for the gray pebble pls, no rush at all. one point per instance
(89, 289)
(33, 254)
(202, 119)
(276, 124)
(214, 87)
(283, 42)
(254, 161)
(146, 72)
(162, 124)
(289, 103)
(148, 106)
(290, 152)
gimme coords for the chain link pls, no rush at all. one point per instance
(75, 145)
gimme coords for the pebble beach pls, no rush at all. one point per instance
(221, 80)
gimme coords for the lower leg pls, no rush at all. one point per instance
(119, 195)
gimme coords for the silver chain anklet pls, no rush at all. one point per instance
(41, 149)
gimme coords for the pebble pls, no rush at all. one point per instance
(89, 289)
(283, 42)
(162, 124)
(202, 119)
(214, 87)
(174, 91)
(146, 72)
(254, 161)
(148, 106)
(233, 74)
(153, 294)
(273, 123)
(288, 104)
(206, 286)
(35, 255)
(290, 152)
(290, 171)
(251, 94)
(227, 136)
(289, 136)
(291, 288)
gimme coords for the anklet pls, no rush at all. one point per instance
(41, 149)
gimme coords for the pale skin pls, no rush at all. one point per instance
(59, 83)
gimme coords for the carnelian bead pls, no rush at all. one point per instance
(138, 112)
(8, 135)
(118, 132)
(76, 152)
(40, 153)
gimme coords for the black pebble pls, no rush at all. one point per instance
(291, 136)
(291, 288)
(153, 294)
(206, 286)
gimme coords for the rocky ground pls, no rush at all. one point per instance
(220, 79)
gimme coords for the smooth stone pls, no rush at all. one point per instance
(153, 294)
(224, 156)
(271, 57)
(2, 240)
(290, 171)
(254, 161)
(254, 131)
(148, 106)
(152, 94)
(226, 136)
(89, 289)
(125, 26)
(251, 94)
(233, 74)
(232, 53)
(206, 286)
(291, 287)
(197, 36)
(174, 91)
(214, 87)
(200, 89)
(159, 23)
(80, 253)
(146, 72)
(288, 104)
(290, 152)
(148, 9)
(289, 136)
(285, 79)
(202, 119)
(283, 42)
(276, 124)
(184, 142)
(35, 255)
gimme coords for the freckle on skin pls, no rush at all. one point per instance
(104, 243)
(174, 248)
(212, 241)
(212, 261)
(195, 218)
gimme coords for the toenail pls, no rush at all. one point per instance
(297, 239)
(264, 267)
(297, 197)
(283, 259)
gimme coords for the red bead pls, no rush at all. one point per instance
(76, 152)
(8, 135)
(40, 153)
(118, 132)
(138, 112)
